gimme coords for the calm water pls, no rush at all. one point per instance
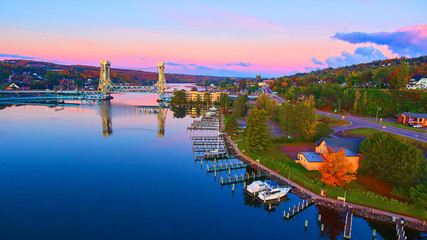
(105, 172)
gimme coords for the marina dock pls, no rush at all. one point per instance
(348, 223)
(297, 209)
(226, 167)
(242, 178)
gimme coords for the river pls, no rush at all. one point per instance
(116, 171)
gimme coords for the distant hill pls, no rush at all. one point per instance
(82, 72)
(418, 64)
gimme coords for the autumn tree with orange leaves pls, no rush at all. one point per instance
(336, 170)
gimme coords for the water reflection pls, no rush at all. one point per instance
(182, 111)
(105, 112)
(333, 221)
(106, 109)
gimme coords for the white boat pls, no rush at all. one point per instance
(273, 193)
(259, 186)
(255, 187)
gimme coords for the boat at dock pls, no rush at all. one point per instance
(273, 193)
(259, 186)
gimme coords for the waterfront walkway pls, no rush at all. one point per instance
(318, 197)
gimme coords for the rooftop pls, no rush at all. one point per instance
(350, 145)
(312, 156)
(415, 115)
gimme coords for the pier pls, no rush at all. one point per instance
(209, 148)
(242, 178)
(297, 209)
(226, 167)
(348, 223)
(399, 230)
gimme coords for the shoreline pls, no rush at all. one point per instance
(358, 210)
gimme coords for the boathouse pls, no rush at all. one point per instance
(313, 160)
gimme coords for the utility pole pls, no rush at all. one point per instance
(376, 117)
(339, 105)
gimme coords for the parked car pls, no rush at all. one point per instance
(417, 126)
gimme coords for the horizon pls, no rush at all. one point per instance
(219, 39)
(237, 77)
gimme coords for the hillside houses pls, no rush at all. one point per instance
(417, 82)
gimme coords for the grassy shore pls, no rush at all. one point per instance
(332, 122)
(399, 125)
(275, 159)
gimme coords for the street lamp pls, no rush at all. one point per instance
(376, 117)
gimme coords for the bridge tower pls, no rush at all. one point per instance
(161, 82)
(161, 119)
(104, 77)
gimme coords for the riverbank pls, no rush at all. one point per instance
(359, 210)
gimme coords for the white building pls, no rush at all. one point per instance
(417, 82)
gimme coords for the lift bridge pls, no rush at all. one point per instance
(105, 88)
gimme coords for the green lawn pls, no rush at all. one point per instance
(332, 122)
(399, 125)
(275, 159)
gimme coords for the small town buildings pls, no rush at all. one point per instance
(18, 87)
(313, 160)
(417, 82)
(412, 119)
(192, 96)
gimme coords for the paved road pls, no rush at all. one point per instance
(360, 122)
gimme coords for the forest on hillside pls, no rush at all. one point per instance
(19, 70)
(367, 89)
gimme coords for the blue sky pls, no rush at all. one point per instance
(233, 38)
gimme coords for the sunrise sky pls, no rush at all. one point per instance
(220, 38)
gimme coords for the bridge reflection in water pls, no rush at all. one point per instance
(106, 108)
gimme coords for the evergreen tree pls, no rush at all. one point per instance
(207, 96)
(178, 97)
(356, 101)
(231, 124)
(257, 133)
(198, 99)
(323, 130)
(224, 101)
(239, 106)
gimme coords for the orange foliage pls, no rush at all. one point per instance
(335, 170)
(284, 84)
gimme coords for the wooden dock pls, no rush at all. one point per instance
(213, 156)
(242, 178)
(206, 123)
(348, 223)
(209, 147)
(227, 167)
(400, 232)
(297, 209)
